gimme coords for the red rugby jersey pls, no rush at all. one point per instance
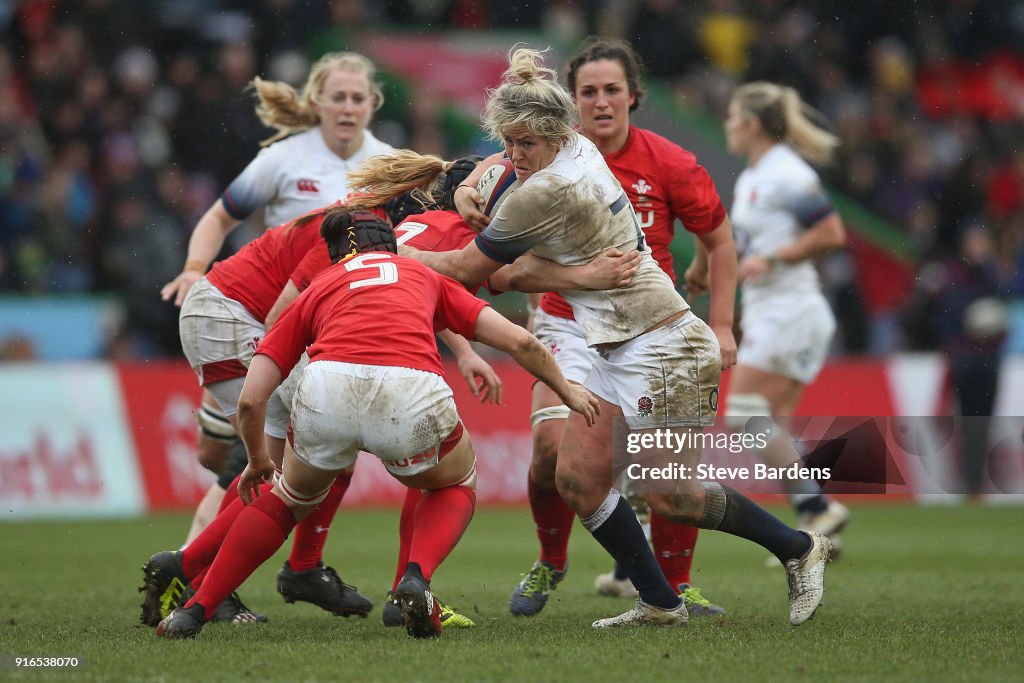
(663, 182)
(437, 231)
(375, 308)
(259, 271)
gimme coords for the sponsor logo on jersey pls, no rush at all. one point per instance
(418, 459)
(645, 406)
(308, 185)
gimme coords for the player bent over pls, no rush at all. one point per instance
(348, 399)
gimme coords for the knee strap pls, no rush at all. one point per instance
(742, 407)
(550, 413)
(215, 424)
(298, 498)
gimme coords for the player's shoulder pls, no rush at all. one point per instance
(374, 146)
(659, 149)
(284, 149)
(787, 166)
(661, 158)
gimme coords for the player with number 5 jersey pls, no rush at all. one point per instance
(351, 397)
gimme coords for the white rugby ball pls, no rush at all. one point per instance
(498, 182)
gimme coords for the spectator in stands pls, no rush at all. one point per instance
(887, 73)
(971, 320)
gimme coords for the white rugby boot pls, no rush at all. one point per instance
(647, 615)
(806, 577)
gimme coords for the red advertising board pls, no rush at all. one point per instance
(160, 401)
(98, 439)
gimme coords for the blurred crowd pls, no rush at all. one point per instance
(121, 120)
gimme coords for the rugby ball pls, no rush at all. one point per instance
(497, 184)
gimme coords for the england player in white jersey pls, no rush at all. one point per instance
(658, 364)
(783, 220)
(294, 176)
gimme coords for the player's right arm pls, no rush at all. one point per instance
(289, 294)
(203, 246)
(254, 187)
(498, 332)
(468, 266)
(276, 355)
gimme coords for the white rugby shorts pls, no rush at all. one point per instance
(564, 339)
(401, 415)
(219, 336)
(667, 377)
(279, 407)
(788, 336)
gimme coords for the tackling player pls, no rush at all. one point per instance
(321, 135)
(225, 312)
(350, 398)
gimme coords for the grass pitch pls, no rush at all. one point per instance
(930, 594)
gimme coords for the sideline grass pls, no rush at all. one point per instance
(921, 594)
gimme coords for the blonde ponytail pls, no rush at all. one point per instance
(384, 177)
(786, 118)
(280, 107)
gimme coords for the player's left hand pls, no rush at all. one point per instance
(469, 202)
(753, 267)
(727, 344)
(254, 474)
(483, 381)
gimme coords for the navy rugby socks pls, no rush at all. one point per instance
(728, 510)
(616, 528)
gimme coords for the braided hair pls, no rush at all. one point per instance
(348, 233)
